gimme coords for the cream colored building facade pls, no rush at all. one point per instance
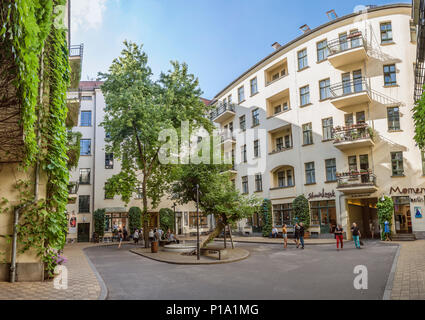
(332, 116)
(96, 166)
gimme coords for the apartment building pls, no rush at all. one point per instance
(331, 113)
(96, 166)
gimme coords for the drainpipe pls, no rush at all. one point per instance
(14, 244)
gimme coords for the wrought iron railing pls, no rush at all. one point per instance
(76, 51)
(346, 88)
(222, 108)
(353, 133)
(353, 41)
(356, 179)
(281, 149)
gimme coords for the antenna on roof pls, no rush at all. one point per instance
(331, 15)
(305, 28)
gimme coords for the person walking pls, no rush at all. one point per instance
(387, 231)
(339, 236)
(136, 237)
(297, 235)
(285, 236)
(301, 234)
(120, 236)
(151, 235)
(125, 233)
(356, 235)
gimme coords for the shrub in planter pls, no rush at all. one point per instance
(99, 223)
(134, 219)
(266, 211)
(385, 213)
(301, 210)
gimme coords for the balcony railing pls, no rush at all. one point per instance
(353, 41)
(355, 179)
(221, 109)
(76, 51)
(73, 188)
(353, 133)
(281, 149)
(347, 88)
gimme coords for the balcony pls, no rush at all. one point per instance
(73, 192)
(353, 137)
(349, 93)
(357, 182)
(223, 112)
(75, 62)
(346, 52)
(280, 149)
(228, 140)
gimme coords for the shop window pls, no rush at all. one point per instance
(203, 220)
(282, 214)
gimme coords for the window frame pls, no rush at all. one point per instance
(109, 166)
(393, 119)
(254, 83)
(86, 124)
(245, 185)
(89, 147)
(332, 167)
(307, 133)
(302, 59)
(81, 174)
(310, 172)
(390, 74)
(255, 117)
(241, 94)
(258, 182)
(323, 51)
(399, 172)
(385, 32)
(327, 129)
(85, 211)
(305, 95)
(327, 89)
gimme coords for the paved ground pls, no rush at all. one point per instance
(266, 240)
(318, 272)
(409, 279)
(82, 282)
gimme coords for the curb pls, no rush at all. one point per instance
(281, 243)
(193, 263)
(103, 289)
(389, 286)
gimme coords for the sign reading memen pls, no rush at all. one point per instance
(407, 190)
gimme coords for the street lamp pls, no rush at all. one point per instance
(198, 256)
(175, 223)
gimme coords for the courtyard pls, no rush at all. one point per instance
(318, 272)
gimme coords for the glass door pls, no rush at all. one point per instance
(357, 80)
(346, 83)
(364, 167)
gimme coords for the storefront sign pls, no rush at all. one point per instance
(323, 194)
(72, 227)
(418, 213)
(407, 191)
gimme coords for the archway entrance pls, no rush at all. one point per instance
(364, 213)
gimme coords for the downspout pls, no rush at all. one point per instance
(94, 154)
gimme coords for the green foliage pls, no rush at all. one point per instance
(40, 55)
(166, 219)
(385, 213)
(134, 219)
(266, 210)
(301, 210)
(99, 222)
(73, 145)
(419, 119)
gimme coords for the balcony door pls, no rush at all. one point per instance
(364, 166)
(357, 80)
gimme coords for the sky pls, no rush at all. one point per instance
(218, 39)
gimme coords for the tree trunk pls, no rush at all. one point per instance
(145, 216)
(217, 231)
(231, 237)
(225, 242)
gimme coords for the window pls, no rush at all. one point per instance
(302, 59)
(330, 170)
(327, 125)
(241, 94)
(386, 32)
(305, 95)
(257, 148)
(242, 123)
(203, 221)
(245, 189)
(288, 142)
(139, 192)
(310, 173)
(325, 89)
(85, 119)
(352, 164)
(109, 160)
(390, 78)
(85, 147)
(84, 176)
(322, 50)
(423, 162)
(307, 134)
(229, 99)
(349, 120)
(397, 163)
(393, 118)
(108, 196)
(278, 109)
(343, 43)
(281, 179)
(289, 178)
(323, 213)
(279, 144)
(360, 117)
(255, 117)
(282, 214)
(84, 204)
(86, 98)
(254, 86)
(258, 183)
(243, 154)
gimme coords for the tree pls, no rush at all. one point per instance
(134, 219)
(137, 111)
(385, 213)
(166, 219)
(266, 210)
(218, 196)
(419, 118)
(99, 222)
(301, 210)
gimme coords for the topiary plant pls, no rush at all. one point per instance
(99, 223)
(166, 219)
(134, 219)
(301, 211)
(266, 211)
(385, 208)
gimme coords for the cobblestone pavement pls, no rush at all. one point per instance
(409, 278)
(82, 281)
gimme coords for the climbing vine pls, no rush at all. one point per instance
(266, 211)
(385, 208)
(40, 55)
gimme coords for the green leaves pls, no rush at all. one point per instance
(301, 209)
(385, 212)
(419, 119)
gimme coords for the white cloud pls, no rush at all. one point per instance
(87, 14)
